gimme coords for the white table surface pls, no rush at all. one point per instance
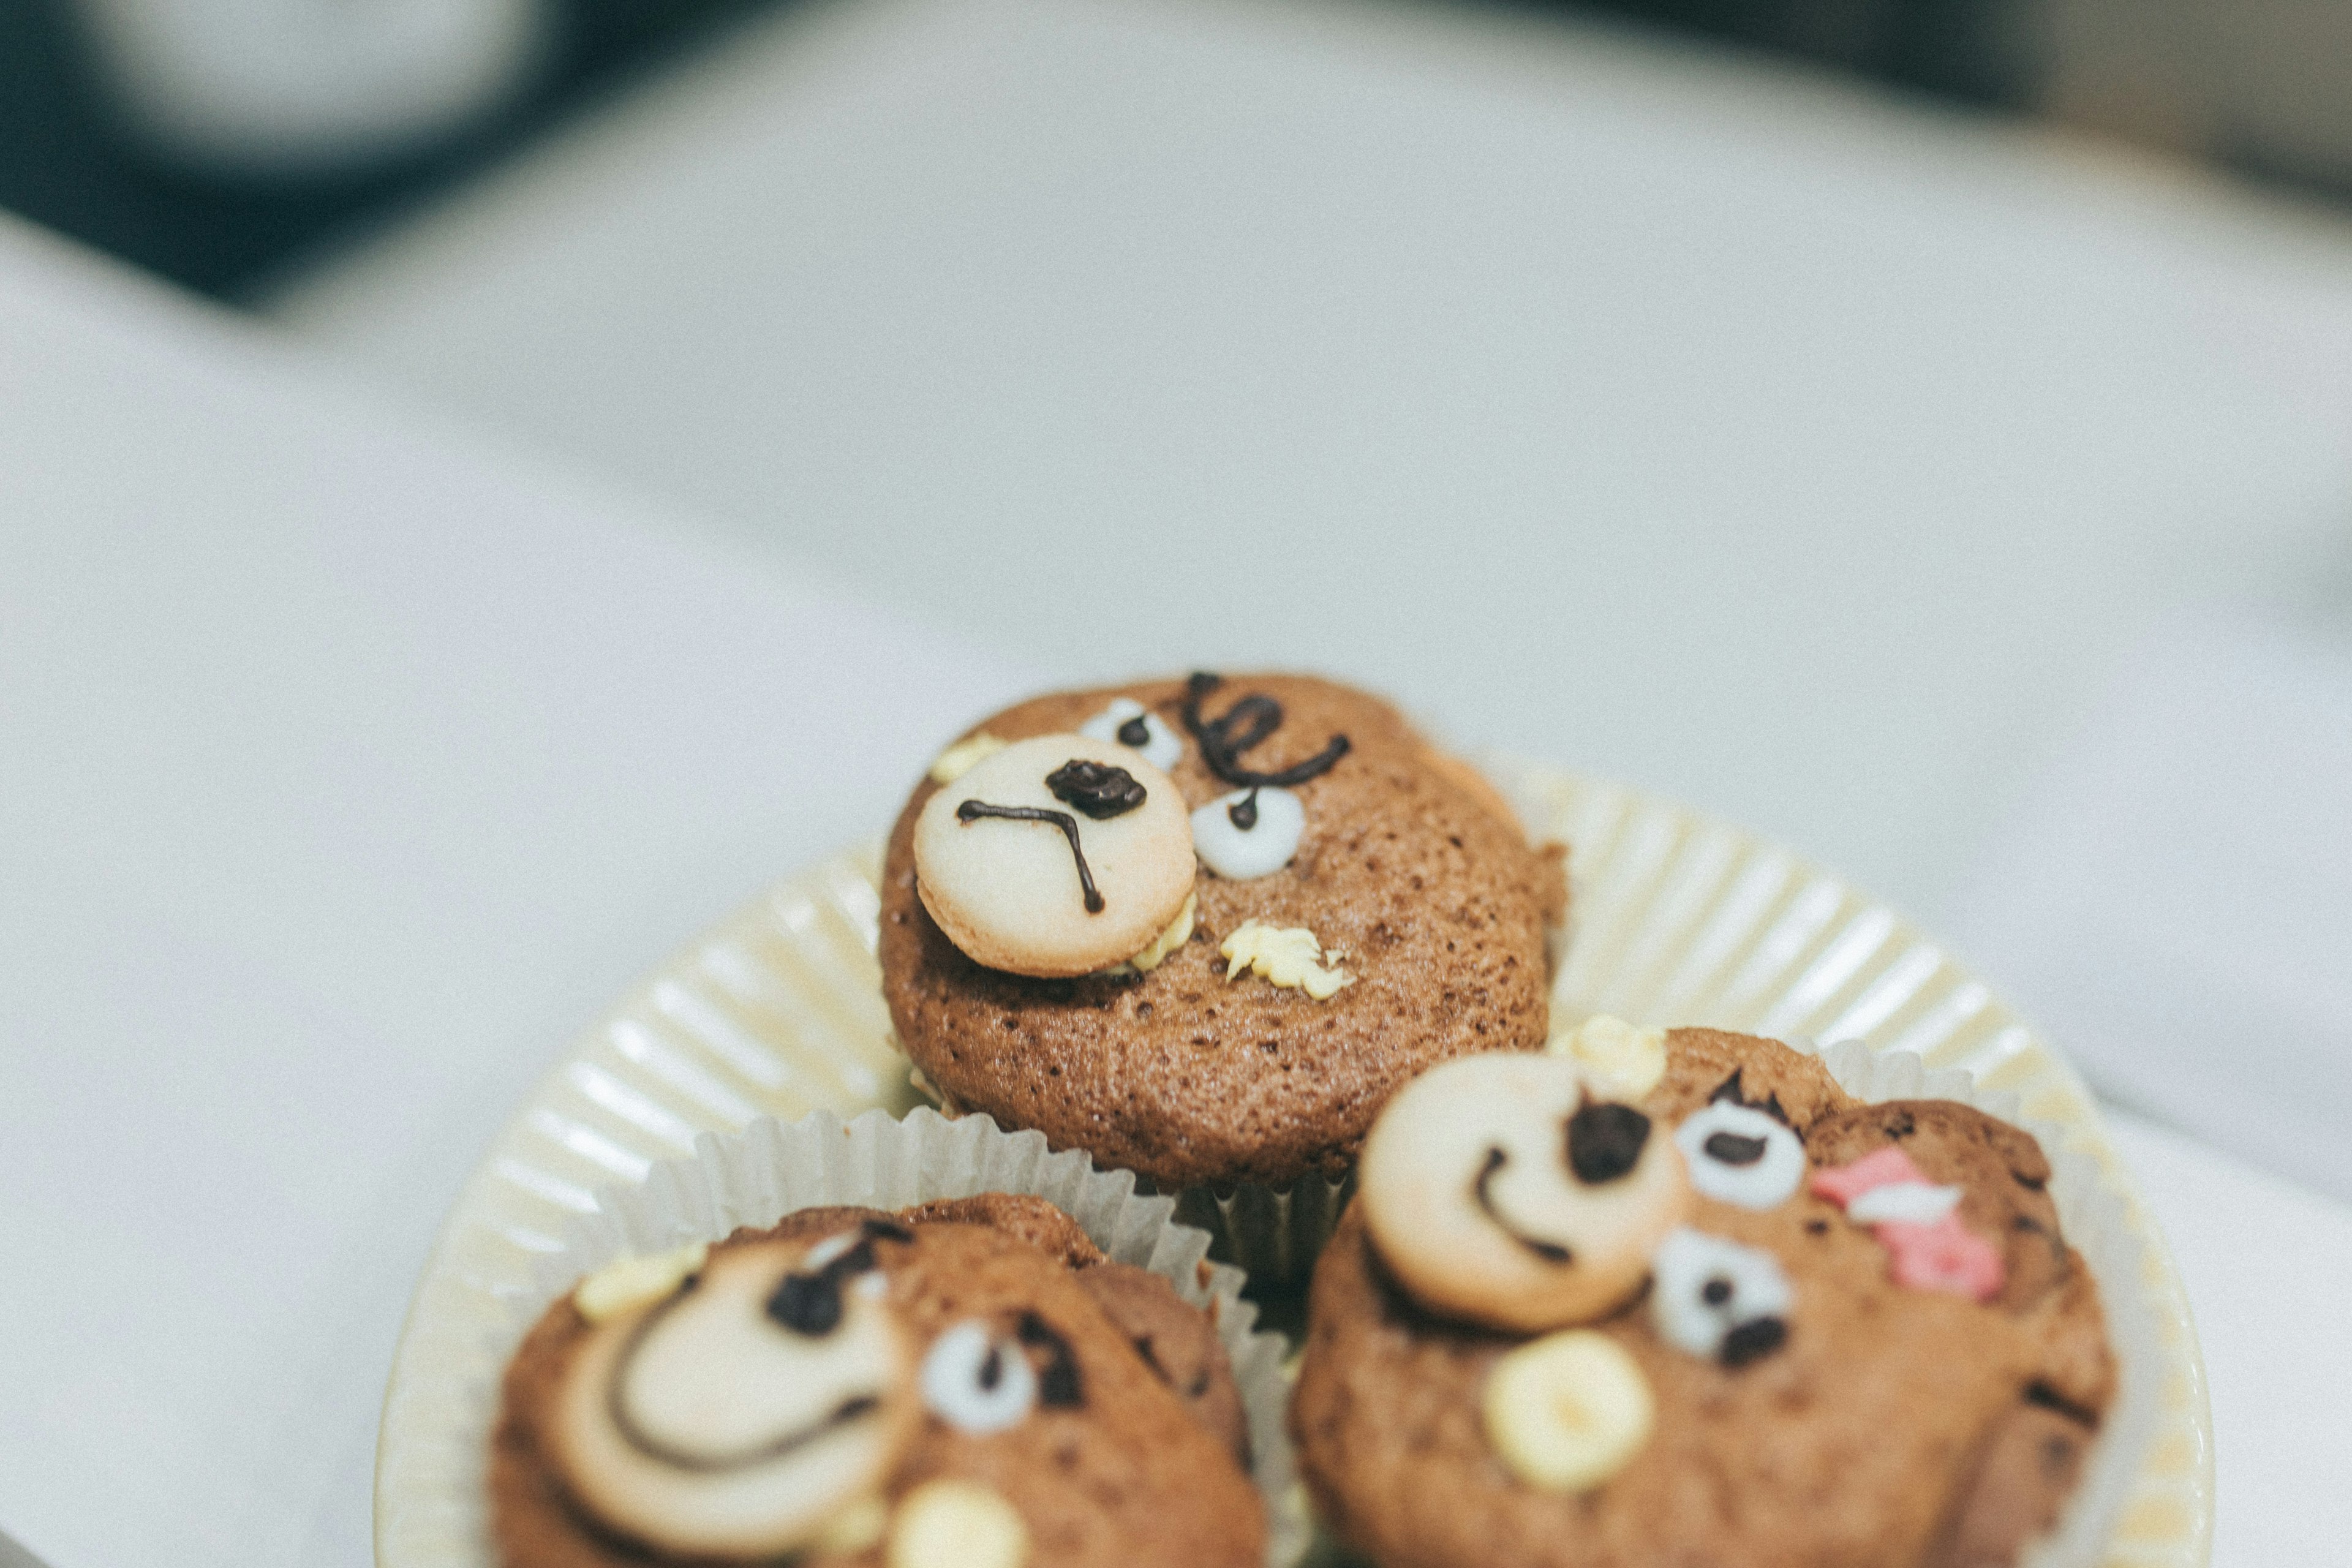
(346, 772)
(355, 764)
(1780, 447)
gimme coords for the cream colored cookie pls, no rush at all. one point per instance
(1095, 868)
(739, 1413)
(1498, 1192)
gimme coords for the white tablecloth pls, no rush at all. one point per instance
(1786, 449)
(345, 774)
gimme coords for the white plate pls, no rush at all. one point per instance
(779, 1012)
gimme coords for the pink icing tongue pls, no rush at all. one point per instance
(1944, 1255)
(1941, 1257)
(1883, 1168)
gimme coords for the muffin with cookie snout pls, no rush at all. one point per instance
(1202, 928)
(966, 1384)
(1675, 1297)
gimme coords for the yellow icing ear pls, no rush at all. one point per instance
(1286, 956)
(1178, 933)
(629, 1282)
(1618, 1061)
(958, 760)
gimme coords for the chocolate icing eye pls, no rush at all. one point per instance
(1740, 1155)
(1131, 725)
(1249, 833)
(978, 1382)
(1717, 1299)
(1496, 1194)
(736, 1416)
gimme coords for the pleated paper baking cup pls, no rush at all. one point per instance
(1674, 920)
(754, 1178)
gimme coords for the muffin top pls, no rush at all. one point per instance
(964, 1384)
(1364, 905)
(1862, 1339)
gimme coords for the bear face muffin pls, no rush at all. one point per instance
(1862, 1339)
(1202, 928)
(964, 1385)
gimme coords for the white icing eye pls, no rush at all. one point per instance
(1132, 725)
(1738, 1155)
(1249, 833)
(1717, 1299)
(976, 1382)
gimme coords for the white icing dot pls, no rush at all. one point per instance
(1706, 1287)
(831, 1248)
(1738, 1155)
(1912, 1202)
(976, 1383)
(1259, 850)
(1163, 749)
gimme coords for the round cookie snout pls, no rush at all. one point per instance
(1497, 1193)
(1086, 877)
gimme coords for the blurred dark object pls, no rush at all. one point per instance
(1969, 51)
(71, 158)
(2261, 86)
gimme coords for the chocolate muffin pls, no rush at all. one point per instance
(1859, 1341)
(1346, 905)
(966, 1384)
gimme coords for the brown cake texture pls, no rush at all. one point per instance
(1410, 865)
(1894, 1427)
(1141, 1472)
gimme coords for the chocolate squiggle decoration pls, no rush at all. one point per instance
(972, 811)
(1244, 724)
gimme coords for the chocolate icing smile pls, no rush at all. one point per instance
(1549, 1251)
(806, 1305)
(1244, 724)
(972, 811)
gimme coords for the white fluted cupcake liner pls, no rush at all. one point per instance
(1273, 1233)
(771, 1169)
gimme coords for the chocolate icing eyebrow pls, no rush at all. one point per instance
(972, 811)
(1730, 1089)
(1059, 1383)
(1244, 724)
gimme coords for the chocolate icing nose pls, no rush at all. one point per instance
(1604, 1141)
